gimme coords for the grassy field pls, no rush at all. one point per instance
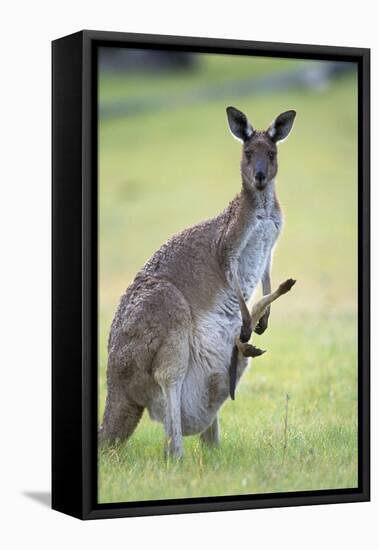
(160, 172)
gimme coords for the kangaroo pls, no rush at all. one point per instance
(176, 327)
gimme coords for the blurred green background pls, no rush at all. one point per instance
(167, 161)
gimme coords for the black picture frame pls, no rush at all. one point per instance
(74, 272)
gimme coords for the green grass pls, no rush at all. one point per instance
(160, 172)
(317, 369)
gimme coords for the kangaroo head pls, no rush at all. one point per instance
(259, 163)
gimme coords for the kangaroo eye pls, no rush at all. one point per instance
(248, 155)
(271, 155)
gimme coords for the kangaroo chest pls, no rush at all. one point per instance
(255, 251)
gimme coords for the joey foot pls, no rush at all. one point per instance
(286, 286)
(248, 350)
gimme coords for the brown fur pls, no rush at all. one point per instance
(175, 327)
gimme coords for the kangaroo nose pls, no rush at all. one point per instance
(260, 177)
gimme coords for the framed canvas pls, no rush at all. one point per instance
(170, 241)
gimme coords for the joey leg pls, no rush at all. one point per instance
(261, 307)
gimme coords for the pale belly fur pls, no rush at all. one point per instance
(206, 384)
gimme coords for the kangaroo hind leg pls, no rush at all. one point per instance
(211, 436)
(170, 367)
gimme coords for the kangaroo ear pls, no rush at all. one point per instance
(238, 124)
(281, 127)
